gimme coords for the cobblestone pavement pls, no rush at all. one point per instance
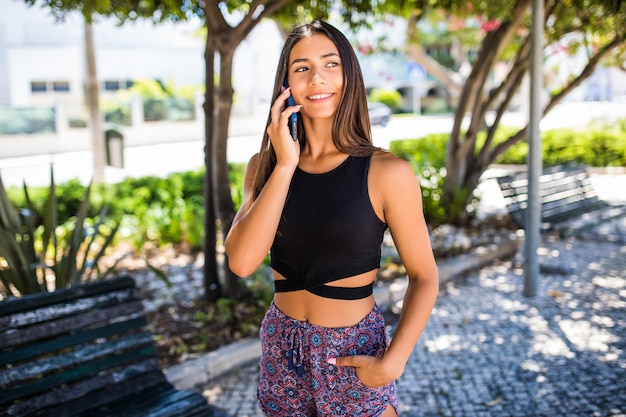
(490, 351)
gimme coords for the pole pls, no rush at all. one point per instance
(417, 105)
(98, 148)
(533, 212)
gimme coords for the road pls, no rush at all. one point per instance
(163, 159)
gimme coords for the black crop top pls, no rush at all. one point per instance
(328, 231)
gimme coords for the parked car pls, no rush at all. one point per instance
(379, 113)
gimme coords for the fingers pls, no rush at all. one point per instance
(366, 369)
(356, 361)
(279, 111)
(279, 104)
(370, 370)
(284, 115)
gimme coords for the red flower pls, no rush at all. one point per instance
(490, 25)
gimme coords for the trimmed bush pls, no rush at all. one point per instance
(391, 98)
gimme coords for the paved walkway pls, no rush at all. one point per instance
(489, 351)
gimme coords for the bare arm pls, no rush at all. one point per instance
(395, 186)
(254, 227)
(404, 215)
(252, 233)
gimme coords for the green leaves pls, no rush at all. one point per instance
(35, 250)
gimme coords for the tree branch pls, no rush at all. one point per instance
(251, 19)
(415, 51)
(492, 48)
(587, 71)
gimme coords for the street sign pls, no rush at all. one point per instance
(417, 73)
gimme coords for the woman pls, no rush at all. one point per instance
(320, 204)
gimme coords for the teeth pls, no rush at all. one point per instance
(319, 96)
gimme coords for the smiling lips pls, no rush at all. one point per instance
(319, 96)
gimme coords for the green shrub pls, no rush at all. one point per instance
(171, 210)
(427, 158)
(391, 98)
(36, 250)
(163, 210)
(596, 146)
(116, 110)
(69, 197)
(430, 150)
(236, 175)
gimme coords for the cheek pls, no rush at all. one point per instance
(338, 88)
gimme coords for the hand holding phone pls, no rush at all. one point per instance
(293, 119)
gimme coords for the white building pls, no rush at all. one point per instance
(42, 62)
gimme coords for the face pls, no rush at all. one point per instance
(315, 76)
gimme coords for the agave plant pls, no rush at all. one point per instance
(34, 250)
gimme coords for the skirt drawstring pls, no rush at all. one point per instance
(296, 354)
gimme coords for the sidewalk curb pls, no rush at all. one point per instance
(189, 374)
(202, 370)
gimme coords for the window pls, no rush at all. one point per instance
(111, 85)
(49, 86)
(114, 85)
(61, 86)
(38, 87)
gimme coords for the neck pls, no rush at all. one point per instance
(319, 139)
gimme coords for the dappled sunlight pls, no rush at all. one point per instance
(552, 325)
(544, 340)
(444, 342)
(514, 305)
(585, 336)
(612, 282)
(536, 368)
(609, 298)
(487, 340)
(500, 281)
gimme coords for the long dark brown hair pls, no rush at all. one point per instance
(351, 132)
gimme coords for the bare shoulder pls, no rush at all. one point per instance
(394, 187)
(386, 168)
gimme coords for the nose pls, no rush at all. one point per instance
(317, 77)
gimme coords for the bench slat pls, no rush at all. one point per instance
(565, 192)
(92, 392)
(85, 351)
(174, 404)
(109, 365)
(67, 324)
(80, 355)
(36, 350)
(35, 301)
(66, 309)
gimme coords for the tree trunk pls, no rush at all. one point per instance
(462, 172)
(464, 163)
(220, 209)
(231, 285)
(212, 287)
(98, 149)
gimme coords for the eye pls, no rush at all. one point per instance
(333, 64)
(300, 69)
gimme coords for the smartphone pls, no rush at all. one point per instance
(293, 119)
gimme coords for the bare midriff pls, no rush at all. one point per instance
(327, 312)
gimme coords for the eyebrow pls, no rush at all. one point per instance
(328, 55)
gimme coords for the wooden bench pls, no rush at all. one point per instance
(85, 351)
(569, 203)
